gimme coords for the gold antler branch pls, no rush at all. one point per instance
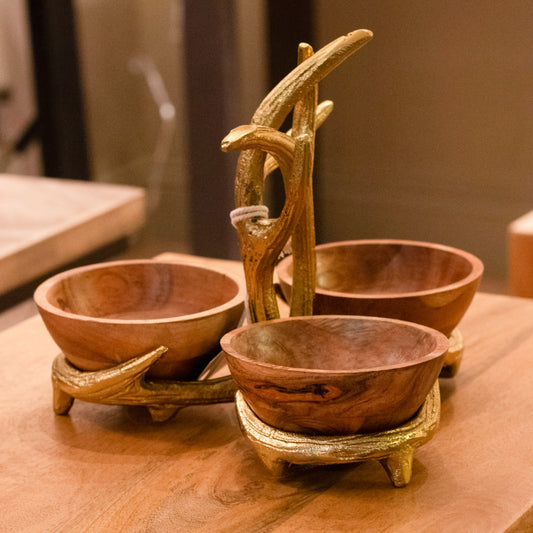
(262, 239)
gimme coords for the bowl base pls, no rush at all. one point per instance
(125, 384)
(393, 448)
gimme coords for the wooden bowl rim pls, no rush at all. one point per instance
(441, 347)
(41, 300)
(475, 274)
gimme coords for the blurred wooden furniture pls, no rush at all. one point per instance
(46, 223)
(520, 255)
(106, 468)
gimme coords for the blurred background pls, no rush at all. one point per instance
(430, 138)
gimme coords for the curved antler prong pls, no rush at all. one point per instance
(280, 101)
(125, 384)
(323, 111)
(262, 240)
(278, 145)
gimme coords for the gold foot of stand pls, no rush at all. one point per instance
(394, 448)
(453, 358)
(125, 384)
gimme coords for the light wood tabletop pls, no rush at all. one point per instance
(46, 223)
(109, 468)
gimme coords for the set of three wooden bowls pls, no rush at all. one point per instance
(364, 362)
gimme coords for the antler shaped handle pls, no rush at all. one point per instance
(261, 239)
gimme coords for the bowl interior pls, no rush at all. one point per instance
(335, 343)
(385, 267)
(139, 290)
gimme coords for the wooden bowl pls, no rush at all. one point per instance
(427, 283)
(107, 313)
(334, 375)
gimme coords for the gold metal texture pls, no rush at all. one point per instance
(125, 384)
(262, 240)
(453, 358)
(393, 448)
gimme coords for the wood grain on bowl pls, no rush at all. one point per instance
(427, 283)
(104, 314)
(334, 374)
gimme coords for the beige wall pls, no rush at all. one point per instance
(253, 54)
(432, 133)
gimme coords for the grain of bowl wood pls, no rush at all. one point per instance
(107, 313)
(334, 375)
(427, 283)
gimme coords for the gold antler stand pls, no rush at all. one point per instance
(263, 239)
(125, 384)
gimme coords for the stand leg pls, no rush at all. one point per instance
(61, 400)
(399, 466)
(275, 465)
(162, 414)
(453, 358)
(450, 370)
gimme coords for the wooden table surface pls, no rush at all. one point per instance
(46, 223)
(105, 468)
